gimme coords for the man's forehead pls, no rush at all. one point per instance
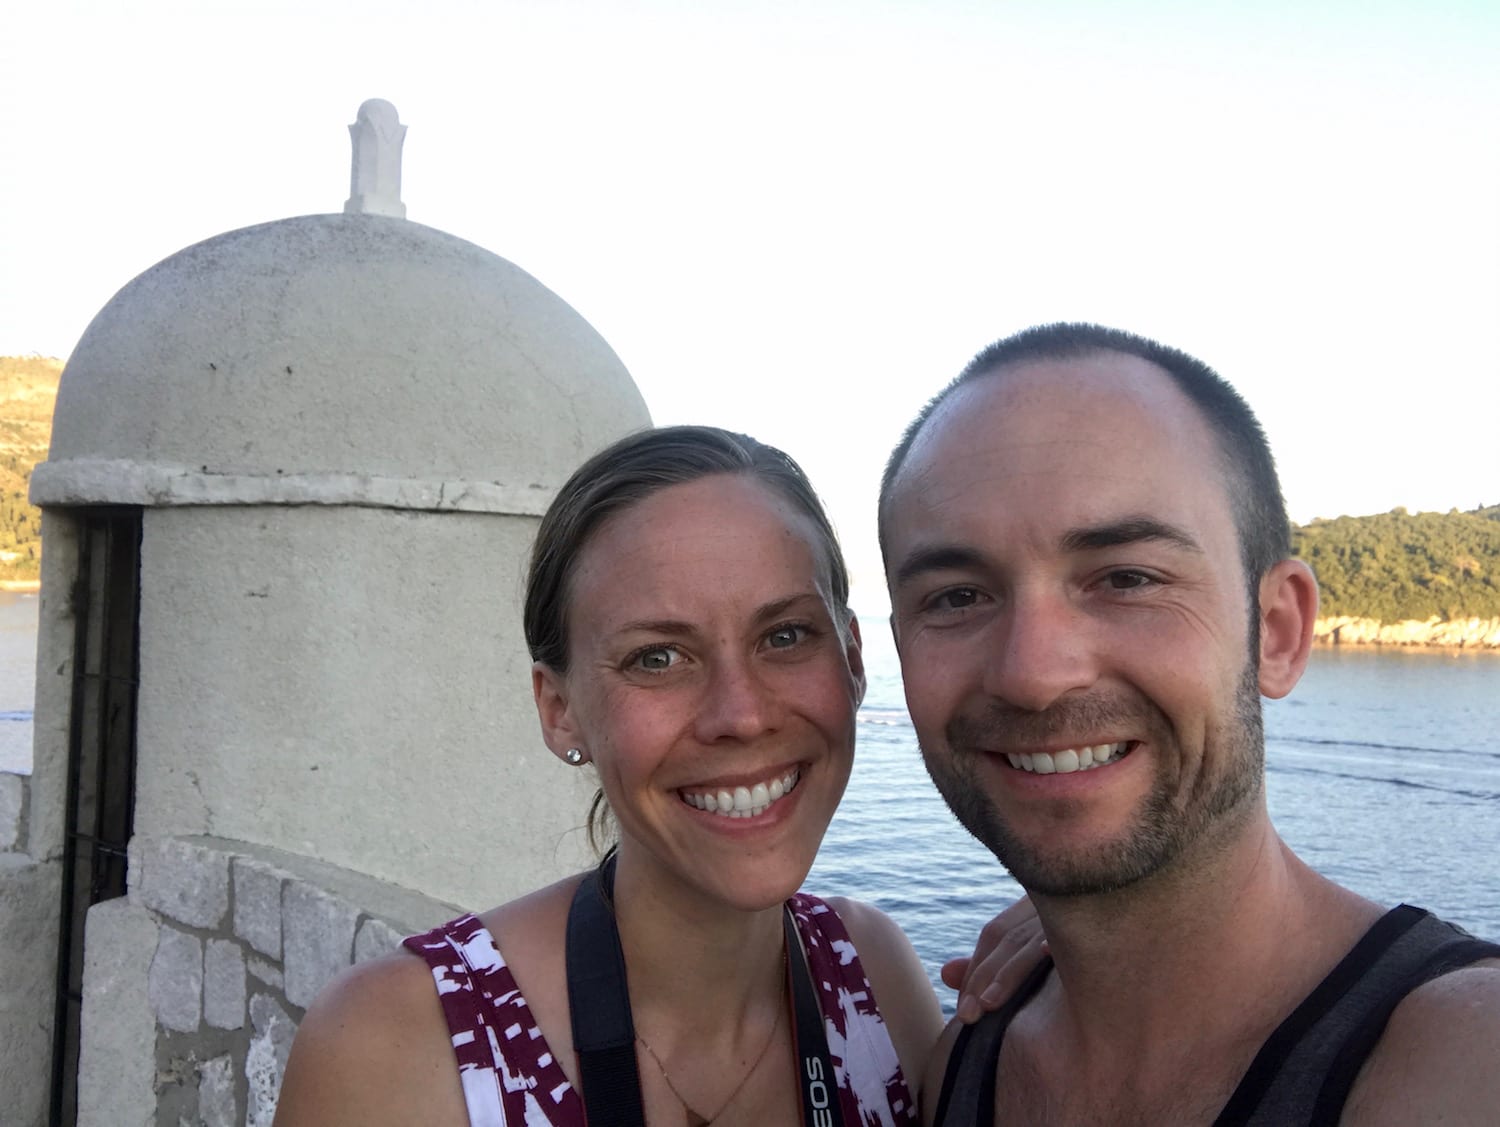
(1060, 443)
(1101, 393)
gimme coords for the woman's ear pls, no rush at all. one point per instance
(1288, 611)
(549, 689)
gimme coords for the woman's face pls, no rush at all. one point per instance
(711, 685)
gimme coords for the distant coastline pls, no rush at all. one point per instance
(1434, 633)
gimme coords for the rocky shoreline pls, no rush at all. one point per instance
(1435, 633)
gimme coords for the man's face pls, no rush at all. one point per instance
(1070, 610)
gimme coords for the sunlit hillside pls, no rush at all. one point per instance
(28, 390)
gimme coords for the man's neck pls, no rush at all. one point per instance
(1217, 951)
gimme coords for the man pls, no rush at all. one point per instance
(1091, 585)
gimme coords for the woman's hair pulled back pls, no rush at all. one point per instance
(631, 470)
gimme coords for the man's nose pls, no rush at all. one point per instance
(1043, 650)
(737, 704)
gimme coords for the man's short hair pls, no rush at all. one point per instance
(1249, 470)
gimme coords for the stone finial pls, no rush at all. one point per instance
(375, 182)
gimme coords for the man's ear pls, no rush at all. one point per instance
(854, 648)
(549, 689)
(1288, 610)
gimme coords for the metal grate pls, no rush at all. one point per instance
(101, 762)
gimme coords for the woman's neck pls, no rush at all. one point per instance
(697, 966)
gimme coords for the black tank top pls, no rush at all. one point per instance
(1305, 1069)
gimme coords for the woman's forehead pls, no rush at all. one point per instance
(726, 539)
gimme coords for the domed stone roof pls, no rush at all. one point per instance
(355, 358)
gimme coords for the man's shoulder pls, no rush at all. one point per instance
(1437, 1060)
(937, 1069)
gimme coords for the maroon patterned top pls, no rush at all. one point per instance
(510, 1077)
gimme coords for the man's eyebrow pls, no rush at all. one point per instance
(1130, 530)
(943, 557)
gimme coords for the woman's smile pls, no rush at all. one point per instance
(742, 801)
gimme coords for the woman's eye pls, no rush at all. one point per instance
(784, 636)
(652, 660)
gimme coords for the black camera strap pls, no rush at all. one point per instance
(820, 1094)
(604, 1034)
(599, 1003)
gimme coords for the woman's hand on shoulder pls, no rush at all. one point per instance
(902, 989)
(1008, 949)
(373, 1049)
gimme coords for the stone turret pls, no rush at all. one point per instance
(294, 475)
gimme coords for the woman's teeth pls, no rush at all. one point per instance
(1064, 762)
(742, 802)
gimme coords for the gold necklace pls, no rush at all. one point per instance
(695, 1117)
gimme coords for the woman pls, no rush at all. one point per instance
(687, 612)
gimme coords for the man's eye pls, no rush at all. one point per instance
(957, 599)
(1128, 580)
(785, 636)
(659, 657)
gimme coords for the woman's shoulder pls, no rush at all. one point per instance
(875, 936)
(373, 1048)
(903, 993)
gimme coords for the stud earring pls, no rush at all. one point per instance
(574, 756)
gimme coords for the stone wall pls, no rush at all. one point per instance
(195, 982)
(15, 796)
(32, 812)
(29, 893)
(1461, 633)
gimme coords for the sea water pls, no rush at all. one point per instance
(18, 622)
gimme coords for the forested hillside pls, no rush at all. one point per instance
(28, 389)
(1398, 565)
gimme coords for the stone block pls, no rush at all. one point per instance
(217, 1106)
(265, 1061)
(29, 896)
(264, 971)
(375, 938)
(182, 880)
(12, 810)
(317, 937)
(175, 983)
(224, 985)
(117, 1052)
(257, 905)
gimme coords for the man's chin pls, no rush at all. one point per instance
(1098, 869)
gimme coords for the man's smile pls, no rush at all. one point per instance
(1069, 759)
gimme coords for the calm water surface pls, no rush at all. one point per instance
(18, 618)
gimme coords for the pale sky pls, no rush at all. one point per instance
(800, 219)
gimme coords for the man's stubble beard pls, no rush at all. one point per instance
(1162, 832)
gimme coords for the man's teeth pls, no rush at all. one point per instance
(1064, 762)
(742, 802)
